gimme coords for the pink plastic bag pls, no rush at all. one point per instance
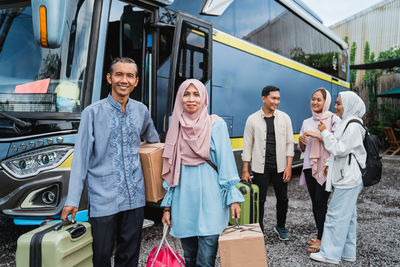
(163, 255)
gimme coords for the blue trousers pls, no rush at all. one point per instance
(339, 237)
(200, 251)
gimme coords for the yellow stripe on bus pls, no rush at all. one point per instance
(296, 138)
(237, 142)
(67, 162)
(257, 51)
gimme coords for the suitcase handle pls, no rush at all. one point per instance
(246, 183)
(58, 226)
(77, 231)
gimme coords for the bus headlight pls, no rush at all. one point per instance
(31, 163)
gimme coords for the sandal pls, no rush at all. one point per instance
(312, 241)
(313, 249)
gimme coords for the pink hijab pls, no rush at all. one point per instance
(189, 135)
(318, 153)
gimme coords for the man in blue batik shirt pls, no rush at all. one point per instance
(106, 157)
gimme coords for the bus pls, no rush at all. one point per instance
(54, 57)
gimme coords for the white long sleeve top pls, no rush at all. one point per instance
(343, 172)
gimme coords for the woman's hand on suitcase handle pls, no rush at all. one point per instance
(166, 218)
(66, 211)
(235, 210)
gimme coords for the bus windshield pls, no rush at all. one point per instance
(35, 79)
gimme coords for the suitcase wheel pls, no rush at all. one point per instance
(243, 190)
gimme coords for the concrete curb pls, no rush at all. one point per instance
(391, 159)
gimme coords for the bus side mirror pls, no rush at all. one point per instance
(50, 18)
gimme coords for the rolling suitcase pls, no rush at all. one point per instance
(58, 244)
(249, 208)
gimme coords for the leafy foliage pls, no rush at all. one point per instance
(321, 61)
(353, 73)
(392, 53)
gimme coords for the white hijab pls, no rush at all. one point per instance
(353, 108)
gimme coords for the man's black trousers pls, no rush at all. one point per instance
(262, 181)
(126, 229)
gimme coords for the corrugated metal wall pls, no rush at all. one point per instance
(379, 25)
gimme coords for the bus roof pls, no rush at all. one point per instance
(306, 8)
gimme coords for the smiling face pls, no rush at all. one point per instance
(271, 101)
(191, 99)
(339, 106)
(123, 79)
(317, 102)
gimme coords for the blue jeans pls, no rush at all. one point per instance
(200, 251)
(339, 237)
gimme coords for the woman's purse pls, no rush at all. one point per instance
(164, 255)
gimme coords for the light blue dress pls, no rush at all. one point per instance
(200, 203)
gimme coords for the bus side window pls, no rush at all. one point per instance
(190, 57)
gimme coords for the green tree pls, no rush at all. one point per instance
(353, 73)
(366, 53)
(370, 78)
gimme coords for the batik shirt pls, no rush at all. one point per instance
(106, 156)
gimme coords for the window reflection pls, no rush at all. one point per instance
(39, 79)
(270, 25)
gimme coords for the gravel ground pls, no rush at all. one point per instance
(378, 232)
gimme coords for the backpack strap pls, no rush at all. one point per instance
(357, 121)
(366, 132)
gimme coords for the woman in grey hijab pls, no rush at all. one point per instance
(343, 174)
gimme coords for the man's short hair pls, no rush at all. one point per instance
(122, 60)
(267, 89)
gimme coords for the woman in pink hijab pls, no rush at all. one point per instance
(315, 156)
(200, 176)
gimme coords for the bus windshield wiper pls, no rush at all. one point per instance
(19, 122)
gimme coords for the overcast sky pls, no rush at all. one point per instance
(332, 11)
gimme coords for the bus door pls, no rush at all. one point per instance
(128, 36)
(191, 56)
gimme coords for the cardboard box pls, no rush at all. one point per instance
(243, 247)
(151, 160)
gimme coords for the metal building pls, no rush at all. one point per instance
(378, 25)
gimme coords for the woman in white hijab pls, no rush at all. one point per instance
(343, 174)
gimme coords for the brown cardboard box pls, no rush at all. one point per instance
(151, 160)
(241, 247)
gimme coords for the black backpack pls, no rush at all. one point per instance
(373, 166)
